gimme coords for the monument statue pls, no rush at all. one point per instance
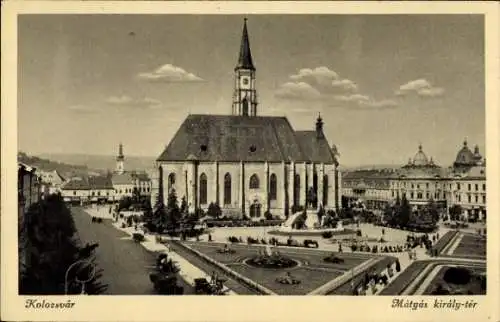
(311, 198)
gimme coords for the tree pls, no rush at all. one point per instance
(404, 213)
(214, 210)
(172, 211)
(432, 211)
(136, 195)
(184, 206)
(455, 212)
(51, 248)
(124, 203)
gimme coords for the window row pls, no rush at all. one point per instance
(254, 183)
(469, 187)
(469, 199)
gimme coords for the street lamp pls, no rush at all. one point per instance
(82, 282)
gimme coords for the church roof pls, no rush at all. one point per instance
(242, 138)
(245, 58)
(76, 184)
(122, 178)
(315, 147)
(100, 182)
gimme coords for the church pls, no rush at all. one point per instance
(247, 163)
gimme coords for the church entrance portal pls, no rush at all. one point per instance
(255, 210)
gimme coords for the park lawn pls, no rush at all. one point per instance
(473, 287)
(312, 271)
(471, 247)
(310, 278)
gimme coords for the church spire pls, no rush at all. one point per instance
(245, 93)
(120, 153)
(245, 59)
(120, 158)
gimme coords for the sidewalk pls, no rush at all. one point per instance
(188, 271)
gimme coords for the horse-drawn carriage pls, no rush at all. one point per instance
(164, 279)
(214, 287)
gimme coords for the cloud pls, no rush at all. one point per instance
(79, 108)
(420, 87)
(169, 74)
(345, 84)
(297, 91)
(319, 76)
(315, 83)
(325, 85)
(130, 102)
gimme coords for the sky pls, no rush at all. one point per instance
(383, 83)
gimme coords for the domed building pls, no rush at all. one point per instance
(421, 180)
(468, 182)
(466, 158)
(420, 160)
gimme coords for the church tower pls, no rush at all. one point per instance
(245, 94)
(119, 160)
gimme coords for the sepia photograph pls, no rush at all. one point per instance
(286, 154)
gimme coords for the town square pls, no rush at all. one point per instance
(344, 188)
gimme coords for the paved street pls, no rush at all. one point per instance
(126, 264)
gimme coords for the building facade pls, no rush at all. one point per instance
(51, 181)
(109, 188)
(372, 188)
(421, 180)
(247, 163)
(28, 193)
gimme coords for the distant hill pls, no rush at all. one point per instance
(101, 162)
(45, 164)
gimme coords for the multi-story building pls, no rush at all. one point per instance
(28, 193)
(368, 187)
(420, 181)
(51, 181)
(76, 190)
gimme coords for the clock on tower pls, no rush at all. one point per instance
(245, 82)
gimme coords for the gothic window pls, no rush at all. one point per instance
(227, 189)
(315, 182)
(273, 187)
(245, 107)
(203, 189)
(296, 191)
(254, 182)
(325, 190)
(171, 181)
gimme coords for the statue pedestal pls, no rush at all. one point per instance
(312, 218)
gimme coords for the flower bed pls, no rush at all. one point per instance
(236, 276)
